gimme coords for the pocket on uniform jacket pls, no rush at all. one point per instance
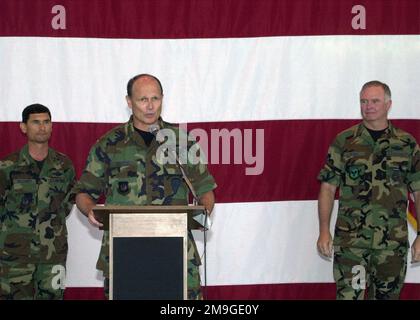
(354, 174)
(397, 173)
(123, 186)
(397, 228)
(120, 169)
(397, 166)
(57, 184)
(55, 192)
(172, 180)
(23, 193)
(349, 219)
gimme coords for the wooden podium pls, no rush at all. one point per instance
(148, 250)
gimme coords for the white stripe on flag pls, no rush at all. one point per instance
(319, 77)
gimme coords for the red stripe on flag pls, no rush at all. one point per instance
(206, 18)
(294, 152)
(301, 291)
(412, 207)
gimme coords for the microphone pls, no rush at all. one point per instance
(154, 129)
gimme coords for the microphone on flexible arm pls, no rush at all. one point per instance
(155, 129)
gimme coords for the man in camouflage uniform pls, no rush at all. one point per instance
(375, 165)
(123, 166)
(34, 184)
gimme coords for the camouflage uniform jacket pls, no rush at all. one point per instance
(374, 180)
(34, 206)
(123, 168)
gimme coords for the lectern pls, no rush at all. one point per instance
(148, 250)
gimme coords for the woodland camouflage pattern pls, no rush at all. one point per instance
(29, 281)
(384, 272)
(374, 179)
(33, 207)
(127, 172)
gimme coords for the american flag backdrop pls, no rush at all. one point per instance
(287, 71)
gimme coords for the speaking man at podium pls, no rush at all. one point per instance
(123, 166)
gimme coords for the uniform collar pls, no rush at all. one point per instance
(132, 134)
(25, 158)
(361, 130)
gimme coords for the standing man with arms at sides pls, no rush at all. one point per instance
(123, 166)
(34, 188)
(375, 165)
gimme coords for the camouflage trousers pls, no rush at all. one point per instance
(28, 281)
(375, 274)
(193, 283)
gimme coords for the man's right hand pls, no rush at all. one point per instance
(85, 204)
(325, 244)
(93, 221)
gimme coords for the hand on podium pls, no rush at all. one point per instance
(93, 221)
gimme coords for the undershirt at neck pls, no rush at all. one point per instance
(376, 134)
(39, 164)
(147, 136)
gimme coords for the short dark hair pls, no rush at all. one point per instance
(34, 108)
(133, 79)
(376, 83)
